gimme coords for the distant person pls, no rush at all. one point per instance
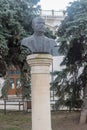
(38, 42)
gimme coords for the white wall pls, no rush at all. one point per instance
(1, 85)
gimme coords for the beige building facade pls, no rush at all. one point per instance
(52, 18)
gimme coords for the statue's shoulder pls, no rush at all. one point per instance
(26, 40)
(50, 40)
(47, 39)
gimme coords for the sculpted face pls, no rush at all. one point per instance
(38, 24)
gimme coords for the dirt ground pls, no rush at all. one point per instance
(61, 120)
(67, 121)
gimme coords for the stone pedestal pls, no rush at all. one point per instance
(40, 87)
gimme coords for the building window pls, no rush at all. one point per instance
(18, 83)
(12, 83)
(11, 72)
(17, 72)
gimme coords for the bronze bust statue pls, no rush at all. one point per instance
(38, 42)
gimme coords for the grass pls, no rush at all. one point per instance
(11, 128)
(61, 120)
(15, 121)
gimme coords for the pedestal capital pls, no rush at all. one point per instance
(39, 59)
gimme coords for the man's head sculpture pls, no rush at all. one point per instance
(38, 24)
(38, 42)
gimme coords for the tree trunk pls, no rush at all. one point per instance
(83, 116)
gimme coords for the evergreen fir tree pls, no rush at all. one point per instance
(72, 34)
(15, 23)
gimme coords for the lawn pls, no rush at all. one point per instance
(15, 121)
(61, 120)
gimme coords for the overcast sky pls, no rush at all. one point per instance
(54, 4)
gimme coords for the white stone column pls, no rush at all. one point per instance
(40, 88)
